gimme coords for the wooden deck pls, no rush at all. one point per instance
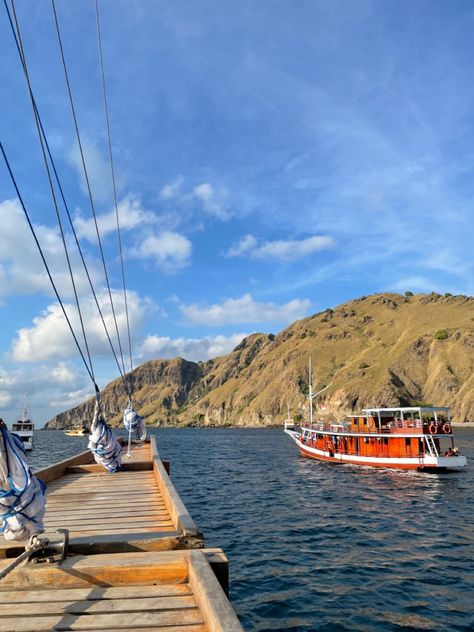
(137, 508)
(134, 562)
(172, 591)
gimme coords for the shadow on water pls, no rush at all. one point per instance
(317, 546)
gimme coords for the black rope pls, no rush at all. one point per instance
(7, 163)
(58, 182)
(112, 169)
(51, 186)
(86, 175)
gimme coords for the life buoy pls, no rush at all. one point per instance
(447, 428)
(433, 429)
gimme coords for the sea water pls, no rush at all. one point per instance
(321, 546)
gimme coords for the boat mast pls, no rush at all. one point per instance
(311, 396)
(26, 415)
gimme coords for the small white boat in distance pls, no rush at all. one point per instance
(24, 428)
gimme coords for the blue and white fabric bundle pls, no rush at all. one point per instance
(134, 423)
(22, 495)
(103, 445)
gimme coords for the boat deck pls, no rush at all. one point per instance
(135, 508)
(172, 591)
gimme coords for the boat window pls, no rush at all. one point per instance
(385, 440)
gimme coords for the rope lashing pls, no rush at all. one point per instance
(102, 443)
(133, 423)
(34, 544)
(48, 551)
(22, 495)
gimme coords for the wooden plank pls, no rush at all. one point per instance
(108, 523)
(92, 594)
(95, 467)
(98, 606)
(216, 610)
(112, 494)
(112, 502)
(167, 628)
(84, 571)
(104, 476)
(105, 510)
(47, 474)
(88, 488)
(127, 542)
(97, 513)
(178, 511)
(125, 530)
(101, 621)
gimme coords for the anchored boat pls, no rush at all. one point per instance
(77, 432)
(24, 428)
(411, 438)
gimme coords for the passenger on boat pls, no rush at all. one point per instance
(450, 452)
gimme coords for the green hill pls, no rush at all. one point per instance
(380, 350)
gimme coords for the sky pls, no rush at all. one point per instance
(272, 159)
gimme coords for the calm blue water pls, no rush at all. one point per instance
(315, 546)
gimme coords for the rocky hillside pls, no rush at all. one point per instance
(379, 350)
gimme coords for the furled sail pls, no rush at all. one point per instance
(134, 423)
(103, 445)
(22, 495)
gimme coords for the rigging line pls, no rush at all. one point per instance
(53, 194)
(86, 175)
(12, 177)
(112, 169)
(53, 165)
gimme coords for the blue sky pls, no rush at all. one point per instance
(273, 158)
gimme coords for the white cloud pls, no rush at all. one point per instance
(69, 399)
(21, 268)
(171, 190)
(98, 170)
(131, 215)
(169, 250)
(213, 202)
(61, 373)
(46, 391)
(49, 337)
(284, 250)
(245, 310)
(5, 399)
(194, 349)
(211, 199)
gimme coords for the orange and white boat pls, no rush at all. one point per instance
(411, 438)
(414, 438)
